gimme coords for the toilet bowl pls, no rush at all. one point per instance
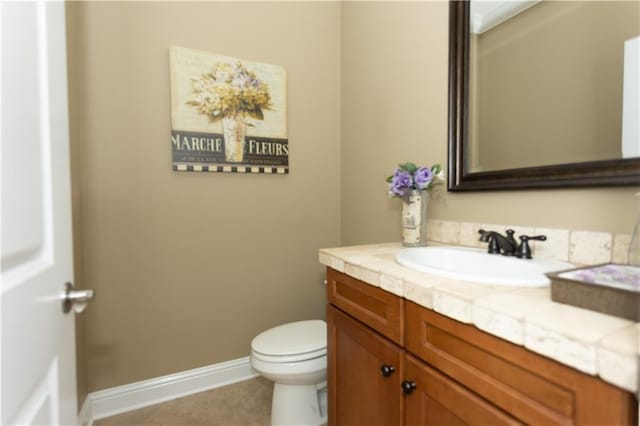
(294, 357)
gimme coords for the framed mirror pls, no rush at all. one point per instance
(526, 128)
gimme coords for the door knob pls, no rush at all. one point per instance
(77, 300)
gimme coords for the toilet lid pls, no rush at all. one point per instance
(292, 339)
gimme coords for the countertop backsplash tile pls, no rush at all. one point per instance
(449, 232)
(469, 234)
(434, 228)
(620, 248)
(556, 246)
(575, 246)
(590, 248)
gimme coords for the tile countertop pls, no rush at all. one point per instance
(588, 341)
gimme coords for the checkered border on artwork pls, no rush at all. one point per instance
(231, 169)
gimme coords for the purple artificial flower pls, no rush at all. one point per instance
(423, 177)
(400, 183)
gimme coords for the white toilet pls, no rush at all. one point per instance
(294, 356)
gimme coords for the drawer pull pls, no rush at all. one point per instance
(407, 386)
(387, 370)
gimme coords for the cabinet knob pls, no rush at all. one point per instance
(386, 370)
(407, 386)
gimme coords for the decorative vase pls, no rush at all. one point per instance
(234, 132)
(414, 218)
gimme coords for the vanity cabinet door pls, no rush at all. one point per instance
(359, 393)
(435, 399)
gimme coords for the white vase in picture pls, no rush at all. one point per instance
(414, 218)
(234, 132)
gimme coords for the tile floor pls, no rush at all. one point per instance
(245, 403)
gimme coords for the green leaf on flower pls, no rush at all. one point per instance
(409, 167)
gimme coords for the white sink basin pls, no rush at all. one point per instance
(478, 266)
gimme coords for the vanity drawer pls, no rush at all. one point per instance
(379, 309)
(530, 387)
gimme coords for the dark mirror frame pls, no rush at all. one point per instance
(623, 172)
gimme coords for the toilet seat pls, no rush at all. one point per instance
(289, 358)
(293, 342)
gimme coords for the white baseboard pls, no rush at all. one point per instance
(85, 416)
(136, 395)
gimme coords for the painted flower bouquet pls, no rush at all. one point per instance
(409, 177)
(230, 91)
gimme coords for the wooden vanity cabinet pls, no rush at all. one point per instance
(445, 372)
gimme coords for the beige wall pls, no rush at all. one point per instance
(549, 85)
(394, 104)
(189, 267)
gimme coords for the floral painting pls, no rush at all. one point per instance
(227, 114)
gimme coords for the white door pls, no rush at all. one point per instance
(38, 355)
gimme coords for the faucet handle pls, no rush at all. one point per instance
(523, 249)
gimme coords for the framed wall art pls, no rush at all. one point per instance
(227, 114)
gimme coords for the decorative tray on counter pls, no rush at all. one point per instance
(610, 288)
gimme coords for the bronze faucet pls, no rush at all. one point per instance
(508, 246)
